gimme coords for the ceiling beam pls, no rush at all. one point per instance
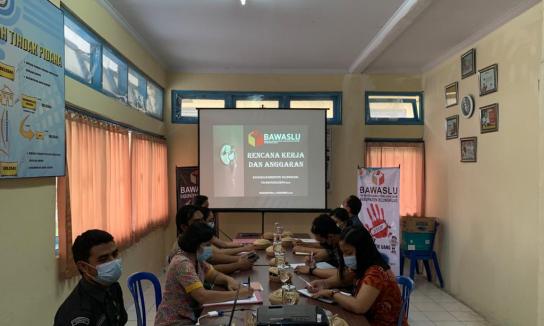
(395, 26)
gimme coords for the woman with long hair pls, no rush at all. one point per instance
(376, 294)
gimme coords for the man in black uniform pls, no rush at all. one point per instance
(97, 300)
(353, 205)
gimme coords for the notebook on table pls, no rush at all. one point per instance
(257, 298)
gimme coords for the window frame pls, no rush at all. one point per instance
(89, 35)
(417, 120)
(230, 98)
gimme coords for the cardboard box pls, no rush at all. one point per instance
(416, 241)
(417, 224)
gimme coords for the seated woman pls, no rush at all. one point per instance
(184, 293)
(376, 295)
(224, 247)
(188, 215)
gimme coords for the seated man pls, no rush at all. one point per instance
(97, 299)
(353, 205)
(327, 233)
(223, 263)
(341, 217)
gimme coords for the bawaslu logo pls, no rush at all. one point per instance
(256, 138)
(378, 178)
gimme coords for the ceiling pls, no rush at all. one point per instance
(298, 36)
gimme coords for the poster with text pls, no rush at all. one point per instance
(378, 189)
(32, 140)
(186, 184)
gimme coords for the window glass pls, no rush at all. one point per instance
(136, 89)
(314, 104)
(394, 108)
(189, 106)
(114, 75)
(253, 104)
(154, 103)
(77, 51)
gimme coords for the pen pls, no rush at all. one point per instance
(307, 283)
(248, 281)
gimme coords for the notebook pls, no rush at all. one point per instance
(255, 299)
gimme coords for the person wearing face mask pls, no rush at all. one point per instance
(341, 217)
(184, 293)
(376, 294)
(223, 262)
(98, 298)
(353, 205)
(221, 246)
(327, 233)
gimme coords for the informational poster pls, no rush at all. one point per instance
(186, 184)
(378, 190)
(32, 142)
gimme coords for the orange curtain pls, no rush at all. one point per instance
(149, 183)
(98, 162)
(411, 159)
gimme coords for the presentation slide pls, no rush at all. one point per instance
(262, 159)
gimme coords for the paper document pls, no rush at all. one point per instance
(307, 293)
(300, 253)
(323, 265)
(308, 240)
(295, 265)
(255, 299)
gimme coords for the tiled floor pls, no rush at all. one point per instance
(429, 306)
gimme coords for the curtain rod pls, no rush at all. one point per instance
(394, 140)
(76, 109)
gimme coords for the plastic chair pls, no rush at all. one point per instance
(425, 256)
(134, 283)
(407, 286)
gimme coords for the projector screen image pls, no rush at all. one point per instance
(262, 159)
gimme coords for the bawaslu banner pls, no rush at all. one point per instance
(186, 184)
(379, 192)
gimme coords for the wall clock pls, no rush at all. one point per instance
(467, 106)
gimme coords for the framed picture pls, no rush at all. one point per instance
(452, 127)
(489, 118)
(452, 94)
(489, 79)
(468, 63)
(469, 148)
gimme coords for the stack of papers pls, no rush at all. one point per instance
(255, 299)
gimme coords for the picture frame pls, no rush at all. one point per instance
(469, 149)
(452, 94)
(468, 63)
(489, 118)
(489, 79)
(452, 127)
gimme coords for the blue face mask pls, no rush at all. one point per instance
(205, 254)
(351, 262)
(109, 273)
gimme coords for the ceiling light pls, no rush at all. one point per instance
(243, 2)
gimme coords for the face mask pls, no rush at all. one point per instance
(109, 273)
(205, 254)
(351, 262)
(211, 224)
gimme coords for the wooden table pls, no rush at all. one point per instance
(260, 274)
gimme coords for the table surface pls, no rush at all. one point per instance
(260, 274)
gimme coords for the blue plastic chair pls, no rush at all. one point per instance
(425, 256)
(407, 286)
(134, 283)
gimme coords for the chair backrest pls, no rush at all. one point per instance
(134, 283)
(407, 286)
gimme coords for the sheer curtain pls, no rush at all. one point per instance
(411, 159)
(98, 161)
(149, 183)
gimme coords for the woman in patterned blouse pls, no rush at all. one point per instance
(184, 293)
(376, 295)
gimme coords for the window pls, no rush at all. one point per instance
(393, 108)
(114, 75)
(185, 103)
(79, 49)
(410, 156)
(91, 60)
(136, 90)
(154, 103)
(115, 181)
